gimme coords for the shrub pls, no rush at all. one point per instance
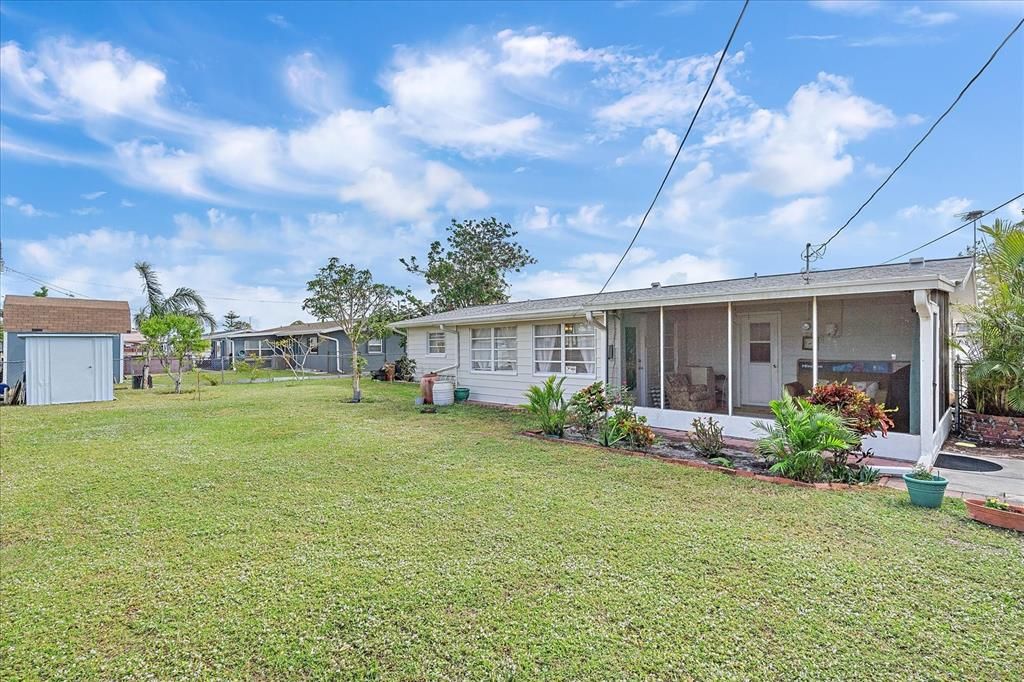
(589, 406)
(800, 434)
(921, 473)
(722, 462)
(405, 368)
(639, 434)
(249, 366)
(547, 402)
(854, 405)
(610, 432)
(706, 437)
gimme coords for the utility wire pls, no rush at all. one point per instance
(693, 120)
(955, 229)
(48, 285)
(925, 137)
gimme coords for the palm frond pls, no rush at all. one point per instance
(151, 290)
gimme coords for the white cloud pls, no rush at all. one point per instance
(86, 210)
(278, 20)
(541, 219)
(92, 196)
(412, 198)
(449, 100)
(588, 218)
(803, 148)
(537, 54)
(659, 93)
(853, 7)
(26, 209)
(156, 166)
(915, 16)
(586, 273)
(309, 84)
(127, 204)
(662, 140)
(799, 215)
(814, 36)
(948, 207)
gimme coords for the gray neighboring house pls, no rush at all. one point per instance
(331, 349)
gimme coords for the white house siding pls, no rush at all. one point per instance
(498, 387)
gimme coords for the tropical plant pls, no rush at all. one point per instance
(173, 337)
(722, 462)
(41, 292)
(471, 269)
(250, 367)
(862, 415)
(706, 437)
(405, 368)
(610, 432)
(547, 403)
(801, 433)
(995, 324)
(638, 433)
(348, 297)
(588, 406)
(184, 301)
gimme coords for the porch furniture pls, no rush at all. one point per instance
(692, 389)
(795, 389)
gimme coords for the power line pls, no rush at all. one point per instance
(124, 288)
(925, 137)
(955, 229)
(693, 120)
(48, 285)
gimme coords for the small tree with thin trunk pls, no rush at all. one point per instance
(294, 352)
(348, 297)
(173, 337)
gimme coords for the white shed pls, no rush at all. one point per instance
(68, 368)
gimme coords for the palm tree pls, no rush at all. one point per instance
(184, 301)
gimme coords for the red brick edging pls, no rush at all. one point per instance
(777, 480)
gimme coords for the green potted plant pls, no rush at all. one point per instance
(926, 489)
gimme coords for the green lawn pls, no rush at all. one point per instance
(274, 530)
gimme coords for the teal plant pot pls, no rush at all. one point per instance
(461, 395)
(925, 493)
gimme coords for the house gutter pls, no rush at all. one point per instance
(337, 349)
(591, 320)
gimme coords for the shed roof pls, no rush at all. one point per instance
(66, 315)
(894, 277)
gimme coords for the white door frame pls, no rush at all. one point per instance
(744, 319)
(641, 395)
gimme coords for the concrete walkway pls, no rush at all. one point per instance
(1007, 483)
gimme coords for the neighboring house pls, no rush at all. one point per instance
(331, 350)
(724, 348)
(67, 350)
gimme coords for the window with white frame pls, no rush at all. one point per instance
(375, 346)
(493, 349)
(564, 348)
(253, 347)
(435, 343)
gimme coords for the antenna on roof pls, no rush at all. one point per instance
(810, 255)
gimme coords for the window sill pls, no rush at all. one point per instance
(492, 373)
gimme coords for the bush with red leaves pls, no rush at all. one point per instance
(864, 416)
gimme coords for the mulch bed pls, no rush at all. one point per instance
(746, 464)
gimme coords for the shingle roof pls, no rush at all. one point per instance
(284, 331)
(949, 269)
(66, 315)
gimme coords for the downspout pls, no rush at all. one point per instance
(457, 352)
(592, 320)
(337, 349)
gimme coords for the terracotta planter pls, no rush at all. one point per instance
(1011, 520)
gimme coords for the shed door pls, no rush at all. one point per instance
(69, 369)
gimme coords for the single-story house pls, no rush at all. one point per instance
(329, 349)
(68, 350)
(724, 348)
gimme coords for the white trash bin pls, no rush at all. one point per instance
(444, 393)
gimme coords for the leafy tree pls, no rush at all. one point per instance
(42, 292)
(471, 269)
(349, 298)
(173, 337)
(996, 322)
(234, 322)
(184, 301)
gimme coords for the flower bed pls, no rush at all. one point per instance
(744, 464)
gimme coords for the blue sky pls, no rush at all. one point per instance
(238, 146)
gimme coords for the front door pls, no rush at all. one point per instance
(633, 353)
(759, 358)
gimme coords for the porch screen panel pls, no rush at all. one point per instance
(868, 342)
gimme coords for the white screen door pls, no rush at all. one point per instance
(759, 358)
